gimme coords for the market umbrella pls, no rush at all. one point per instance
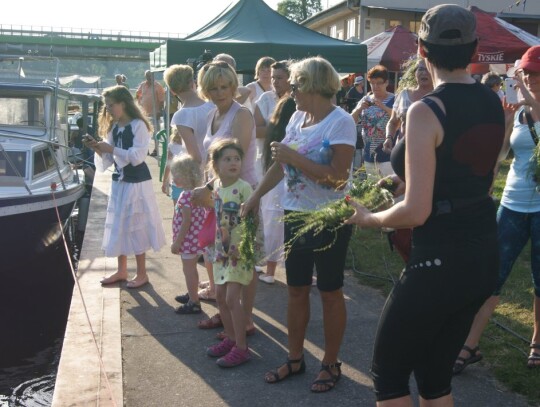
(499, 42)
(391, 48)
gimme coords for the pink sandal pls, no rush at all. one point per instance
(234, 358)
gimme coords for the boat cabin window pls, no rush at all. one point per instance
(15, 159)
(22, 111)
(43, 161)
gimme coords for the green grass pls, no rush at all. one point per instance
(505, 348)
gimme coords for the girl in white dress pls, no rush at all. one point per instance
(133, 223)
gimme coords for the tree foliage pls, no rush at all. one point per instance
(298, 10)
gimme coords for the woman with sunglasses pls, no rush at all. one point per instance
(311, 181)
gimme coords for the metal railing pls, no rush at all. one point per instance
(87, 33)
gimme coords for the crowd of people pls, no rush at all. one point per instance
(257, 151)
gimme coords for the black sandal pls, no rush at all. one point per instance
(189, 308)
(534, 357)
(182, 299)
(461, 362)
(330, 383)
(290, 372)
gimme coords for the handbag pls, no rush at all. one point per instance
(379, 155)
(207, 234)
(401, 241)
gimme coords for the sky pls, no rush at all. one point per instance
(167, 16)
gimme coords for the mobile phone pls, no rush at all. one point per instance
(511, 91)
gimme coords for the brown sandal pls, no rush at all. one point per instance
(461, 362)
(274, 375)
(329, 383)
(211, 323)
(533, 361)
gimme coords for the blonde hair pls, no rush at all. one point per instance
(264, 62)
(175, 136)
(185, 166)
(315, 75)
(179, 78)
(211, 73)
(225, 58)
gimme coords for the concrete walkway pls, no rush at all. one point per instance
(154, 357)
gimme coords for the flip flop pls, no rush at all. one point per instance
(204, 284)
(136, 284)
(111, 279)
(204, 295)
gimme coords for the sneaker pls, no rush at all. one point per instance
(266, 279)
(221, 348)
(153, 153)
(259, 269)
(182, 299)
(234, 358)
(189, 308)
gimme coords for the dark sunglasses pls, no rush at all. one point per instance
(294, 87)
(219, 64)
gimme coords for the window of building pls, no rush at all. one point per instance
(333, 31)
(414, 26)
(351, 27)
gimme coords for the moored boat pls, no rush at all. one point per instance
(39, 186)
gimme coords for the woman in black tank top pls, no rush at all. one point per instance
(453, 137)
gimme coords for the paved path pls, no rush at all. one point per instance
(163, 360)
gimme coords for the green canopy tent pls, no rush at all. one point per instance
(250, 29)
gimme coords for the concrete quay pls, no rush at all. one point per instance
(154, 357)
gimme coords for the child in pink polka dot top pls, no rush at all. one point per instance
(186, 224)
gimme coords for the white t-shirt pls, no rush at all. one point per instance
(176, 149)
(250, 103)
(267, 103)
(302, 193)
(196, 118)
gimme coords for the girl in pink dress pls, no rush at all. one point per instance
(186, 224)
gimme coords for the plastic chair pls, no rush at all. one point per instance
(163, 139)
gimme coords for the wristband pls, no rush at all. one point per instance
(209, 186)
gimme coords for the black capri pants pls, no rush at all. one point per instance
(428, 314)
(326, 251)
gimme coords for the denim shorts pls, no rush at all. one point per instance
(514, 231)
